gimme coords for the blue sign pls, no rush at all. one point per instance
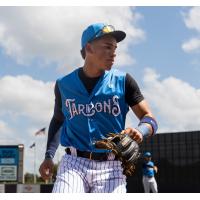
(9, 155)
(9, 160)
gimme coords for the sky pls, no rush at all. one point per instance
(40, 44)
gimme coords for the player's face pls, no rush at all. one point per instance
(147, 158)
(103, 52)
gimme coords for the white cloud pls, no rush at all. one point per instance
(4, 127)
(24, 96)
(53, 34)
(191, 19)
(5, 130)
(8, 134)
(27, 105)
(175, 102)
(192, 45)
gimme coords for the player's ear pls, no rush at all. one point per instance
(89, 48)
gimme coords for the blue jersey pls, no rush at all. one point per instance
(148, 169)
(90, 117)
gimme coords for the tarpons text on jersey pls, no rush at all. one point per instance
(110, 106)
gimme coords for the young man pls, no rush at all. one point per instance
(149, 170)
(91, 102)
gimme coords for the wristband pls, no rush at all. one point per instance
(151, 121)
(143, 129)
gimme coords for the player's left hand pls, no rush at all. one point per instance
(46, 169)
(134, 134)
(155, 169)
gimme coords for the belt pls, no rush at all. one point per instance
(148, 176)
(90, 155)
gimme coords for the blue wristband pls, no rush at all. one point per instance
(151, 121)
(144, 129)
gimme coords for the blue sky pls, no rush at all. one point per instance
(40, 44)
(163, 45)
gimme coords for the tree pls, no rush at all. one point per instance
(28, 178)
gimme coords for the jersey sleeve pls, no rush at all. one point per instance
(133, 94)
(55, 125)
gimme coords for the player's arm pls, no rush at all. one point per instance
(150, 165)
(139, 106)
(46, 168)
(142, 110)
(55, 124)
(155, 168)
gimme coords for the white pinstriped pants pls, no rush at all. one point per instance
(82, 175)
(149, 184)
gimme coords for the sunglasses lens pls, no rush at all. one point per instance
(104, 30)
(108, 29)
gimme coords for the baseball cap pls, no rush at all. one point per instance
(98, 30)
(147, 154)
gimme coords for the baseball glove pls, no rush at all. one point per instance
(124, 148)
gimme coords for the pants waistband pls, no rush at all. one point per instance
(148, 176)
(90, 155)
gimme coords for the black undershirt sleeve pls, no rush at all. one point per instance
(55, 124)
(133, 94)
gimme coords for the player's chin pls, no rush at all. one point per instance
(109, 65)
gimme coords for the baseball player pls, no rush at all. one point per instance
(149, 169)
(91, 102)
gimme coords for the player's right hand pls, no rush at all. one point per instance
(134, 134)
(46, 169)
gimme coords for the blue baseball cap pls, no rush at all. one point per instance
(147, 154)
(98, 30)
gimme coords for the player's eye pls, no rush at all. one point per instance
(108, 47)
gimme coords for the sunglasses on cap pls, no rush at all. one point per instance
(105, 30)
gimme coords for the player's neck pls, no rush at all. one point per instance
(92, 71)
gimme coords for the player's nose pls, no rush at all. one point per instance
(113, 54)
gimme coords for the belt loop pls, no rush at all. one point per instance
(90, 156)
(73, 151)
(67, 150)
(111, 156)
